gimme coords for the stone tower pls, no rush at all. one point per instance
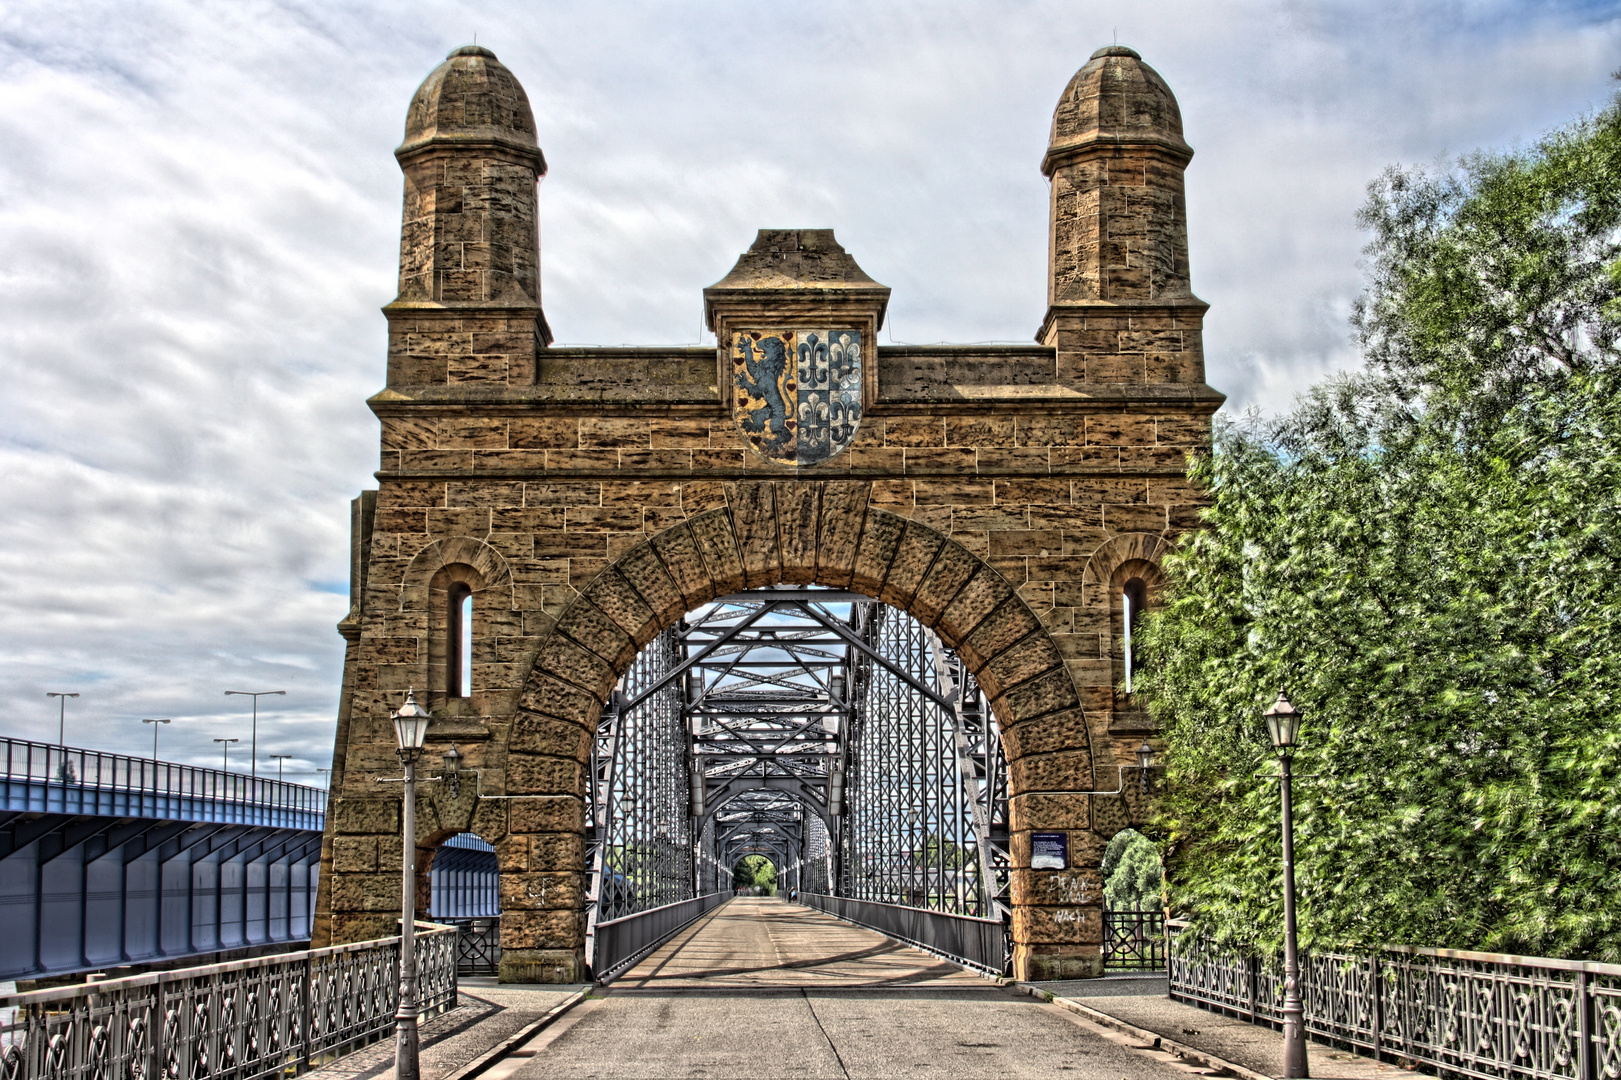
(1013, 498)
(469, 303)
(1120, 307)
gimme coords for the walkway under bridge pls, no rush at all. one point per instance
(108, 860)
(821, 729)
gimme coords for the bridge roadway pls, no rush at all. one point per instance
(762, 988)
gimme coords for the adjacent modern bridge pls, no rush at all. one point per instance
(108, 860)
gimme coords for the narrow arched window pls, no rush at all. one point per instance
(459, 641)
(1133, 602)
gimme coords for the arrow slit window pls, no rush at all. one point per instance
(459, 641)
(1133, 603)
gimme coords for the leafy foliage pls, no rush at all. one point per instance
(1426, 557)
(755, 871)
(1132, 878)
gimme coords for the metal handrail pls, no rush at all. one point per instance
(619, 943)
(1491, 1016)
(40, 777)
(272, 1016)
(968, 940)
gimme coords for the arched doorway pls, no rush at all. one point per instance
(825, 534)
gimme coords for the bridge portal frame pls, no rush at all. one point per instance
(589, 497)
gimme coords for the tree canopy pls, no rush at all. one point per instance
(1132, 877)
(1426, 557)
(755, 871)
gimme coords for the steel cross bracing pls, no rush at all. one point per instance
(819, 728)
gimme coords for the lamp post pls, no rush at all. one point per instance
(64, 769)
(1283, 725)
(253, 768)
(155, 723)
(281, 761)
(225, 753)
(410, 729)
(61, 718)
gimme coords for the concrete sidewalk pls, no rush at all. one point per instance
(1138, 1005)
(489, 1018)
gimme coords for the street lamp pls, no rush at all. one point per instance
(61, 717)
(65, 769)
(155, 724)
(1145, 764)
(281, 761)
(253, 769)
(225, 753)
(410, 730)
(1283, 725)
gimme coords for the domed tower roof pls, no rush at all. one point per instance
(471, 99)
(1115, 98)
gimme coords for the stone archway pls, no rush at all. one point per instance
(798, 533)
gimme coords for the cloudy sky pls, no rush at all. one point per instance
(199, 215)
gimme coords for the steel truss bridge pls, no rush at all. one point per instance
(828, 732)
(108, 860)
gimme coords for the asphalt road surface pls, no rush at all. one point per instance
(762, 989)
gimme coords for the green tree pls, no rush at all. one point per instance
(1132, 878)
(1426, 557)
(755, 871)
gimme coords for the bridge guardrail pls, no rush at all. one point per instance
(1486, 1015)
(43, 778)
(245, 1020)
(621, 942)
(963, 939)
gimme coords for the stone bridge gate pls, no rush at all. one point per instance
(573, 502)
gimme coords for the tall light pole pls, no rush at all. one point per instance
(64, 769)
(253, 768)
(281, 761)
(410, 729)
(155, 724)
(1283, 725)
(225, 753)
(61, 717)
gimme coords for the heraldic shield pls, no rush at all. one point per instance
(798, 392)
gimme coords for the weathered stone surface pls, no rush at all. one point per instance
(799, 510)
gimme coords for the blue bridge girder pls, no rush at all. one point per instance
(107, 860)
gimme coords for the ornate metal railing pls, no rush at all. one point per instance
(41, 778)
(478, 945)
(1134, 940)
(1472, 1014)
(277, 1015)
(619, 943)
(964, 939)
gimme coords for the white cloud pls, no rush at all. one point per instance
(199, 219)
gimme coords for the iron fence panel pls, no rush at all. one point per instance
(1134, 940)
(963, 939)
(246, 1020)
(478, 946)
(1471, 1014)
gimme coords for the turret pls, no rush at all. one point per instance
(1120, 304)
(469, 303)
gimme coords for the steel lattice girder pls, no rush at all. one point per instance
(767, 711)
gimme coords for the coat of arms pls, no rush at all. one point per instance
(798, 392)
